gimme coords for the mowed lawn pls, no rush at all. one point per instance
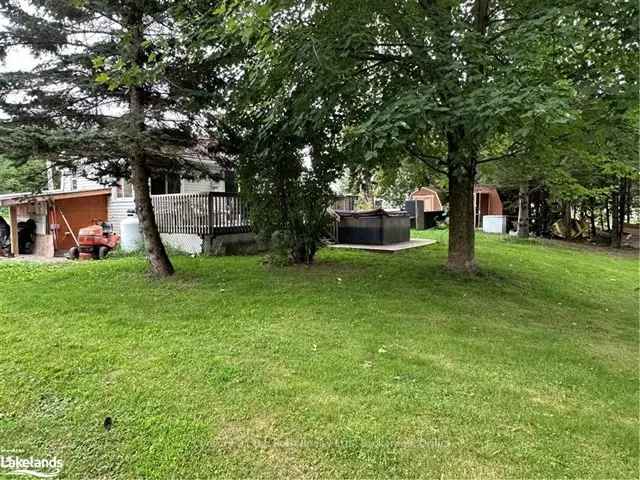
(363, 366)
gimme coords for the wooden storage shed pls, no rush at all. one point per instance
(485, 198)
(486, 201)
(58, 216)
(430, 198)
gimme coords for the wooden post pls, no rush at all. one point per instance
(210, 214)
(13, 218)
(475, 209)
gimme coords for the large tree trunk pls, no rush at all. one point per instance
(462, 169)
(629, 198)
(592, 219)
(624, 203)
(461, 225)
(523, 210)
(616, 237)
(566, 215)
(158, 258)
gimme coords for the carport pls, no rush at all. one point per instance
(57, 216)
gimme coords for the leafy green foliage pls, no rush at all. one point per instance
(73, 110)
(394, 184)
(28, 177)
(288, 191)
(282, 135)
(451, 85)
(418, 82)
(583, 161)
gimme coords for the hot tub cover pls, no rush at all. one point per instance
(373, 227)
(378, 212)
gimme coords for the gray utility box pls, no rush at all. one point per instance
(373, 227)
(415, 209)
(421, 220)
(494, 224)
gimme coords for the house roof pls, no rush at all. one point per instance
(10, 196)
(9, 199)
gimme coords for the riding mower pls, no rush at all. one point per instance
(94, 242)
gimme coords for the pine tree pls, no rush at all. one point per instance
(116, 93)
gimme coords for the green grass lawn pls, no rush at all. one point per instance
(365, 365)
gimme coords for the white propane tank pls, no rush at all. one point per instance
(130, 237)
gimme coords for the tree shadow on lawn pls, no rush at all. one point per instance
(521, 295)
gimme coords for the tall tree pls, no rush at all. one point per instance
(116, 93)
(282, 130)
(588, 161)
(441, 82)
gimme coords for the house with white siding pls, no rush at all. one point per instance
(121, 197)
(202, 214)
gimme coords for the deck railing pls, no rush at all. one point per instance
(201, 213)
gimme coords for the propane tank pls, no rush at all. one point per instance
(130, 237)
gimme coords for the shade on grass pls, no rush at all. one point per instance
(366, 365)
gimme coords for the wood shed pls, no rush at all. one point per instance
(56, 218)
(485, 198)
(486, 201)
(430, 197)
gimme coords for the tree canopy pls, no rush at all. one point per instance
(295, 92)
(458, 85)
(116, 94)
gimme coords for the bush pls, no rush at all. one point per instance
(288, 191)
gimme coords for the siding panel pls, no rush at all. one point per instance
(118, 212)
(86, 184)
(206, 185)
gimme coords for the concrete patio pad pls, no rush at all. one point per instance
(392, 248)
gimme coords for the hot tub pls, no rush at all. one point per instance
(373, 227)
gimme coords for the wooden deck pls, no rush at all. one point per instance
(202, 213)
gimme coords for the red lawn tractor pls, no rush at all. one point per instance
(94, 242)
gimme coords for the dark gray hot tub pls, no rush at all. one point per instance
(373, 227)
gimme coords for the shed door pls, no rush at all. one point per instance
(79, 212)
(482, 207)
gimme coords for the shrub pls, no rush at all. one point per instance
(288, 204)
